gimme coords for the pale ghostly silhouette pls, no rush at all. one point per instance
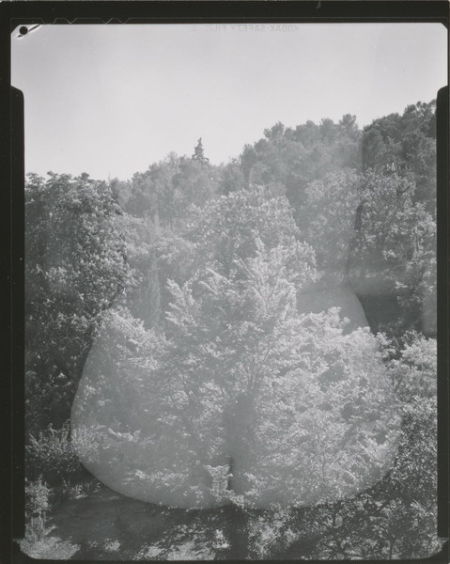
(243, 451)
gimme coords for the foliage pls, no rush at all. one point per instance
(75, 267)
(179, 291)
(288, 159)
(168, 188)
(282, 406)
(37, 498)
(227, 228)
(405, 144)
(394, 251)
(326, 221)
(38, 541)
(52, 455)
(199, 153)
(395, 518)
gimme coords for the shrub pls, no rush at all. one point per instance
(52, 455)
(37, 542)
(36, 499)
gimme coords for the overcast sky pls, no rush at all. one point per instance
(110, 100)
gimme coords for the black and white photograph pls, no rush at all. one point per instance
(230, 290)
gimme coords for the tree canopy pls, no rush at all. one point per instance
(259, 334)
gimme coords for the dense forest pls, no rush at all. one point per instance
(189, 270)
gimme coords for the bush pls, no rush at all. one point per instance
(37, 542)
(52, 455)
(36, 499)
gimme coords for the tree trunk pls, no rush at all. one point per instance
(236, 526)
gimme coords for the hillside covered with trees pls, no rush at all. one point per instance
(271, 321)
